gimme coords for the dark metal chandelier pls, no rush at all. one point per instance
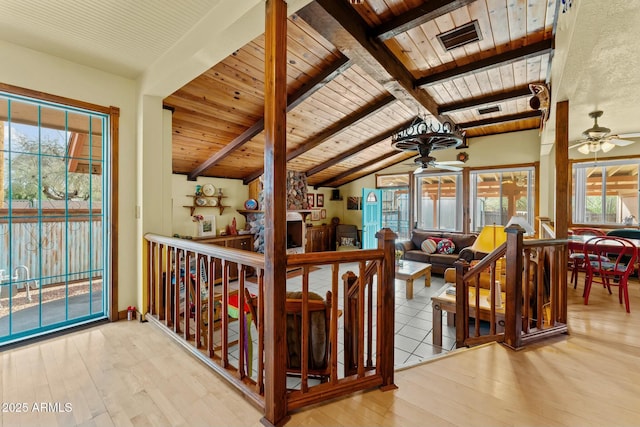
(425, 137)
(422, 137)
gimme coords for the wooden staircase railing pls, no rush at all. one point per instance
(176, 292)
(535, 300)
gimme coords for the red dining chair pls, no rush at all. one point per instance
(577, 255)
(621, 255)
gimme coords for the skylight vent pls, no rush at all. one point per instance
(488, 110)
(460, 36)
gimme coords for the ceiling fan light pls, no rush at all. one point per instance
(584, 149)
(606, 146)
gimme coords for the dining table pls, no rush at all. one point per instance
(576, 243)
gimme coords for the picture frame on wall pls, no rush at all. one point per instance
(353, 203)
(320, 200)
(207, 226)
(311, 199)
(323, 214)
(315, 215)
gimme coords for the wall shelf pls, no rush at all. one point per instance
(207, 202)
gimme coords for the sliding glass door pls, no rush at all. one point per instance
(54, 202)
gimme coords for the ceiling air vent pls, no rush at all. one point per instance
(460, 36)
(488, 110)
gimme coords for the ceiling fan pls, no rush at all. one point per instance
(425, 160)
(597, 138)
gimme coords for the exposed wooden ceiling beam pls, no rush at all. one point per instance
(532, 50)
(305, 91)
(489, 99)
(352, 171)
(347, 31)
(330, 131)
(501, 119)
(355, 150)
(418, 16)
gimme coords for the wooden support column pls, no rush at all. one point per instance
(562, 170)
(275, 210)
(563, 198)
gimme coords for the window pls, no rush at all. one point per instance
(499, 194)
(395, 203)
(605, 192)
(439, 201)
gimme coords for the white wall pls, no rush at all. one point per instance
(38, 71)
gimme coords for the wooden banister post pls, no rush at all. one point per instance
(462, 304)
(513, 290)
(387, 303)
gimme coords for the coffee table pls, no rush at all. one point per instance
(410, 270)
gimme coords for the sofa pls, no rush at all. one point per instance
(412, 250)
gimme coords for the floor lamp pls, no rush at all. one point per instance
(490, 238)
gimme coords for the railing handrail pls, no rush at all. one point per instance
(544, 242)
(188, 311)
(487, 261)
(252, 259)
(520, 284)
(325, 258)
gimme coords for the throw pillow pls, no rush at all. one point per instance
(429, 246)
(445, 246)
(346, 241)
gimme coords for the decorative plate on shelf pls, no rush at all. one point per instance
(251, 204)
(201, 201)
(213, 202)
(208, 190)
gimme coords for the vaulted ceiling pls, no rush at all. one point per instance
(346, 60)
(359, 72)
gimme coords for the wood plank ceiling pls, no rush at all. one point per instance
(358, 72)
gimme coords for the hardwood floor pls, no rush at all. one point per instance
(131, 374)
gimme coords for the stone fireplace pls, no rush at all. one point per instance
(296, 203)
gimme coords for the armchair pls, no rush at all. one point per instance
(347, 238)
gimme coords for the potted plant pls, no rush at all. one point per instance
(398, 257)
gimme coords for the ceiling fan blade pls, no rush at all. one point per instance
(619, 142)
(578, 144)
(628, 135)
(451, 162)
(446, 167)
